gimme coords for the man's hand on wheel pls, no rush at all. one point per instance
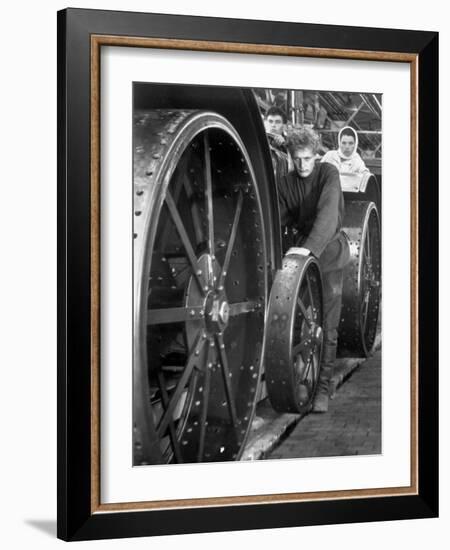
(299, 250)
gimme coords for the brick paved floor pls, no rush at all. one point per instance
(352, 425)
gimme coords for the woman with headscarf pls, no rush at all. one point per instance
(346, 158)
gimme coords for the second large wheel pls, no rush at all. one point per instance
(362, 280)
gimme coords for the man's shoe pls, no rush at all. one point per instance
(320, 403)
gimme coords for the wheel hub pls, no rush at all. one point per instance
(212, 300)
(217, 312)
(317, 333)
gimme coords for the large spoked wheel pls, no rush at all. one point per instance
(294, 335)
(362, 280)
(200, 288)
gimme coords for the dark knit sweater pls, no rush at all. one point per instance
(315, 207)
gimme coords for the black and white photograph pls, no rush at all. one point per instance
(257, 273)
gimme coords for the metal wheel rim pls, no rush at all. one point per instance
(369, 280)
(362, 280)
(294, 329)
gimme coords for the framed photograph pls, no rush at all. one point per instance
(247, 286)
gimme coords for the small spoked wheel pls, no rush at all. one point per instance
(362, 280)
(294, 335)
(200, 288)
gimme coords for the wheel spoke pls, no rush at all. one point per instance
(302, 373)
(204, 415)
(209, 194)
(183, 236)
(196, 348)
(226, 379)
(176, 195)
(231, 239)
(308, 367)
(174, 315)
(304, 312)
(299, 347)
(240, 308)
(172, 431)
(196, 218)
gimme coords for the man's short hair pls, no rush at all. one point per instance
(304, 138)
(276, 111)
(348, 132)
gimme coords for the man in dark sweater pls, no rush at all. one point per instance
(311, 203)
